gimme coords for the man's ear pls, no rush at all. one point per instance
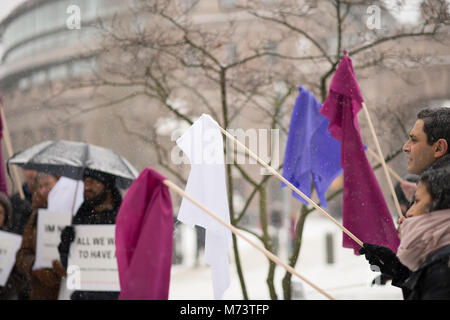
(440, 148)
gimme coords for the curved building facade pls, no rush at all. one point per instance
(46, 42)
(42, 39)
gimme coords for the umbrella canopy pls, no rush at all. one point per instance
(70, 158)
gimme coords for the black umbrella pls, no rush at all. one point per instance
(70, 158)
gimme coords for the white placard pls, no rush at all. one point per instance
(49, 227)
(92, 264)
(9, 245)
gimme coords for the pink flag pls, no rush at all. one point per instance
(3, 186)
(364, 211)
(144, 233)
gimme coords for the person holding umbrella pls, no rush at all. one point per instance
(101, 204)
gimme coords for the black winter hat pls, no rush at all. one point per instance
(107, 179)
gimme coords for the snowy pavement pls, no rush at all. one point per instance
(349, 278)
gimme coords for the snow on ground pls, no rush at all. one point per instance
(349, 278)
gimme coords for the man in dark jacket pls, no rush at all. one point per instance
(101, 205)
(428, 148)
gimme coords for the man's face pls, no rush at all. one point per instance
(418, 152)
(92, 188)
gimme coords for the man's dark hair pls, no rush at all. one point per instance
(436, 124)
(438, 186)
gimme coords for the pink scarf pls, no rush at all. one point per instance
(423, 235)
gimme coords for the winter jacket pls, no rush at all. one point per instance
(432, 280)
(87, 215)
(43, 284)
(21, 210)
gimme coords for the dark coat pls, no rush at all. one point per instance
(87, 215)
(442, 162)
(432, 280)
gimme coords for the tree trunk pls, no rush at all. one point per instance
(295, 252)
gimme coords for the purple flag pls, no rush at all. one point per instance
(144, 233)
(311, 152)
(3, 186)
(365, 212)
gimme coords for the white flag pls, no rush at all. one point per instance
(66, 196)
(203, 145)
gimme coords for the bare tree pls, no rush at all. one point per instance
(162, 53)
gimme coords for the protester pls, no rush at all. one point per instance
(101, 204)
(5, 212)
(42, 284)
(5, 225)
(426, 148)
(425, 242)
(21, 208)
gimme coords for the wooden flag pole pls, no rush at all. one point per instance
(292, 187)
(233, 229)
(394, 174)
(381, 157)
(10, 152)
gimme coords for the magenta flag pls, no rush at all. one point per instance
(3, 185)
(365, 212)
(144, 233)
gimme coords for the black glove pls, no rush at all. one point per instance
(68, 235)
(381, 279)
(386, 260)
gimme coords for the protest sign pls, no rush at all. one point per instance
(92, 264)
(9, 244)
(49, 227)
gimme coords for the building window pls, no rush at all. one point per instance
(58, 72)
(231, 53)
(39, 77)
(271, 47)
(269, 2)
(187, 5)
(303, 46)
(228, 4)
(24, 83)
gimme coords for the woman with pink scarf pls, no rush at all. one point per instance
(421, 266)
